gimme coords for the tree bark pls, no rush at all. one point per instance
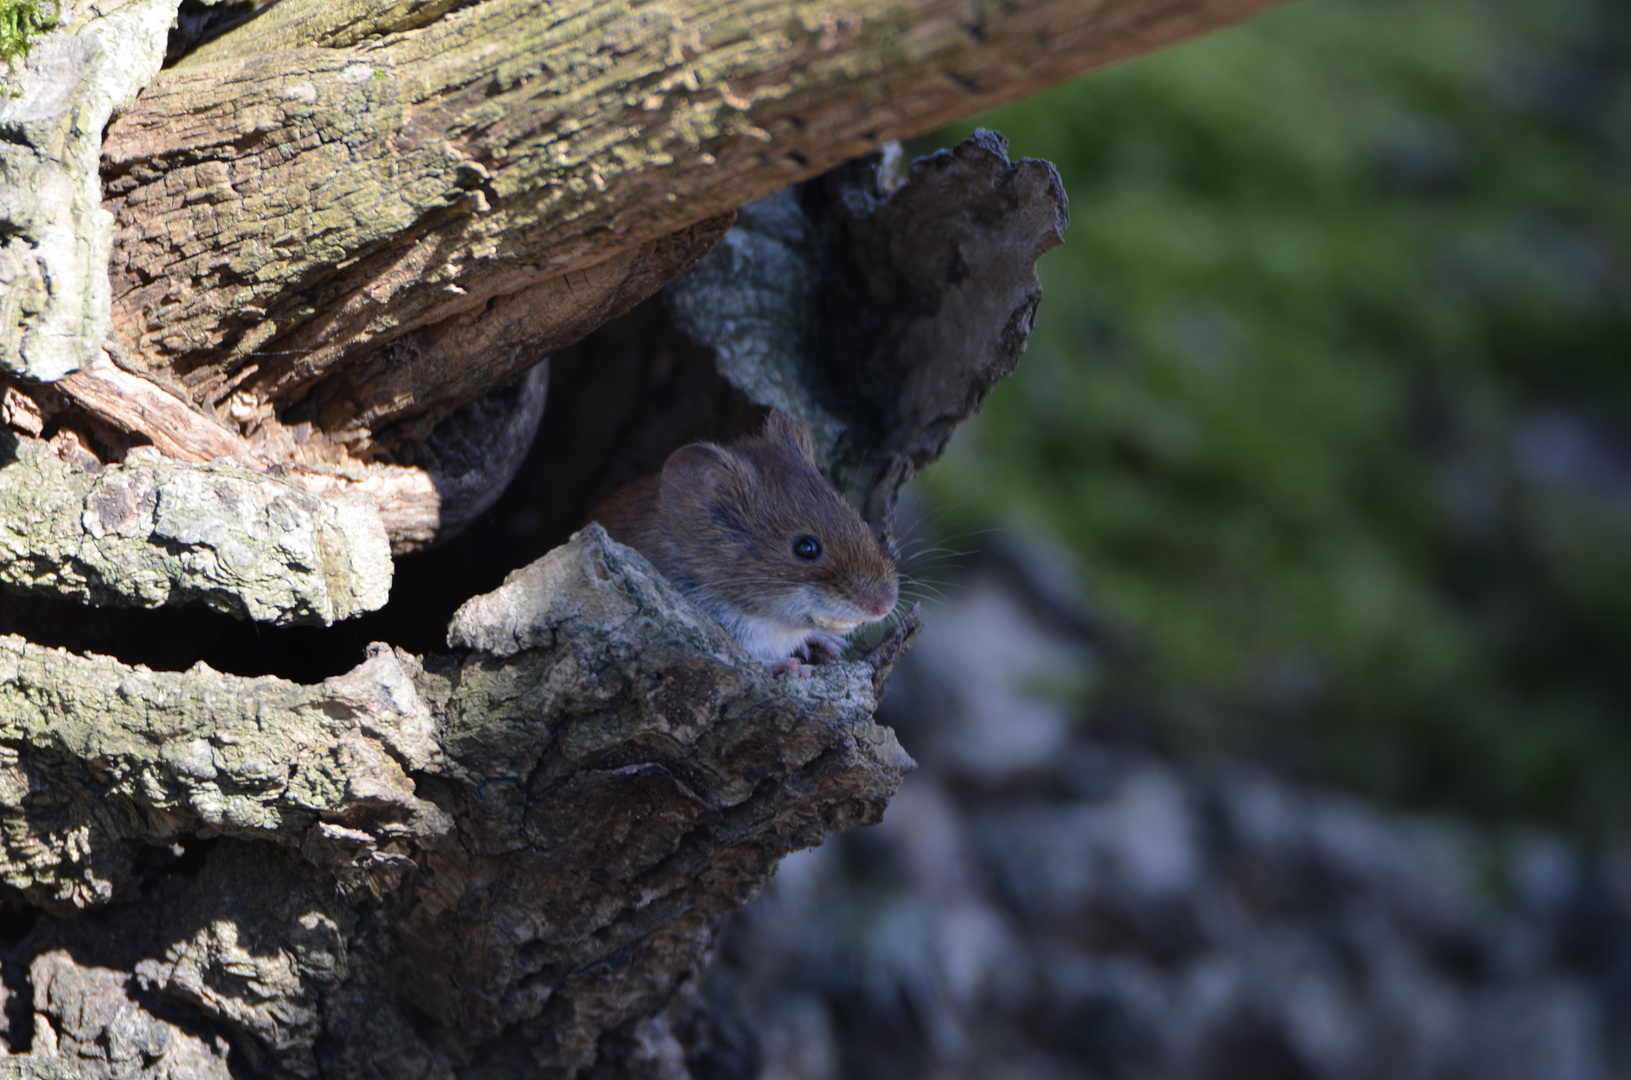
(597, 781)
(322, 181)
(152, 532)
(509, 858)
(347, 235)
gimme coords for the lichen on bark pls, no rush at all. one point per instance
(98, 759)
(55, 300)
(152, 532)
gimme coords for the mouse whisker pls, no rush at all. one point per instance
(929, 509)
(928, 519)
(935, 581)
(922, 586)
(940, 591)
(938, 550)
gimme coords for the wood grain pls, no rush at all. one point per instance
(312, 188)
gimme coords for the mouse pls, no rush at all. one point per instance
(753, 534)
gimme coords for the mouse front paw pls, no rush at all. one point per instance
(788, 664)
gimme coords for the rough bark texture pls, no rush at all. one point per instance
(476, 866)
(102, 758)
(54, 298)
(153, 532)
(461, 356)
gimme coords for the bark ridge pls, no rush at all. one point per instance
(152, 532)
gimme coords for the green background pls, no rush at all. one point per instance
(1330, 396)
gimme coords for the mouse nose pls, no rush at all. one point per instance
(881, 608)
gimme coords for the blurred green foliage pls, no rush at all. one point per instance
(1331, 392)
(20, 22)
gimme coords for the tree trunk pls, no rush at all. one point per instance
(345, 237)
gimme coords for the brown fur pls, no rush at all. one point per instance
(720, 523)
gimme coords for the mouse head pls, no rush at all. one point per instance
(776, 539)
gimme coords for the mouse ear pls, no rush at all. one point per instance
(783, 431)
(694, 475)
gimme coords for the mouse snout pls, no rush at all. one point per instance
(881, 606)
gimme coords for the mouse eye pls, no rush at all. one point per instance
(807, 547)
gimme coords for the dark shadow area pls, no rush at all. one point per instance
(86, 959)
(184, 858)
(16, 918)
(198, 22)
(17, 1005)
(620, 402)
(165, 639)
(27, 932)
